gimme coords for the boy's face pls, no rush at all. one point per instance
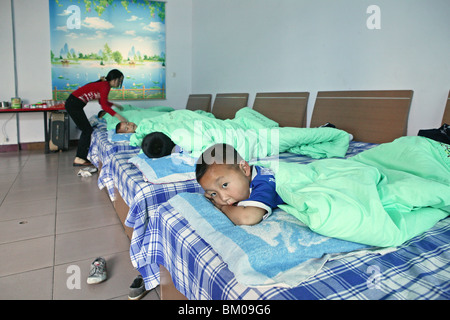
(227, 184)
(127, 127)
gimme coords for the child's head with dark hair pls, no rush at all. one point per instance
(223, 174)
(101, 113)
(126, 127)
(217, 154)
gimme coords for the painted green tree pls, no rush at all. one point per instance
(99, 6)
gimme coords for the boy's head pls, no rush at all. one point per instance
(224, 175)
(101, 113)
(126, 127)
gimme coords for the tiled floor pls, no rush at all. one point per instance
(53, 224)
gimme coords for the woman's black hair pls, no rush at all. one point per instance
(115, 74)
(112, 75)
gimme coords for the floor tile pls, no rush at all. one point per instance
(31, 285)
(27, 228)
(25, 209)
(88, 218)
(21, 256)
(90, 243)
(30, 194)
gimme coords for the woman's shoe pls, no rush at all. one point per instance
(84, 164)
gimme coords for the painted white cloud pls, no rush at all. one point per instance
(97, 23)
(133, 18)
(154, 27)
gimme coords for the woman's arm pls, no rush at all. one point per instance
(120, 117)
(118, 106)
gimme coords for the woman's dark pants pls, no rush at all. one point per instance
(74, 107)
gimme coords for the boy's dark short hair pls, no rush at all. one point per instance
(221, 153)
(118, 127)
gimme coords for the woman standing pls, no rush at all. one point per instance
(76, 102)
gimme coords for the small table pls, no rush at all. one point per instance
(28, 110)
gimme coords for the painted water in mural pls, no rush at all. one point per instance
(91, 37)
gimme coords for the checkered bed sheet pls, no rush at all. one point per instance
(419, 269)
(103, 152)
(142, 216)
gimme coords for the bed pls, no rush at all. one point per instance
(102, 148)
(419, 269)
(102, 154)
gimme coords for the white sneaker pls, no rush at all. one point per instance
(97, 273)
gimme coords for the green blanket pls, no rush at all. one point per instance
(135, 114)
(380, 197)
(252, 134)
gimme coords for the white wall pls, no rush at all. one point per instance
(315, 45)
(34, 68)
(260, 45)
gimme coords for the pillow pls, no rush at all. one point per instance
(113, 136)
(172, 168)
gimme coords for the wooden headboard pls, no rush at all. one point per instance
(286, 108)
(370, 116)
(199, 102)
(226, 104)
(446, 117)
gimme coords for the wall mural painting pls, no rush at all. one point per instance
(91, 37)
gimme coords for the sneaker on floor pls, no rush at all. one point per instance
(137, 289)
(97, 273)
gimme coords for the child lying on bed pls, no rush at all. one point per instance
(126, 127)
(245, 194)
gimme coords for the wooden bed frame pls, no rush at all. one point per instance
(286, 108)
(370, 116)
(199, 102)
(446, 116)
(226, 104)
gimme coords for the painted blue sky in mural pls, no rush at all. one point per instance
(88, 38)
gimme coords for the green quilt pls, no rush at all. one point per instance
(252, 134)
(380, 197)
(135, 114)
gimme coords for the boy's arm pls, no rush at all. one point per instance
(240, 215)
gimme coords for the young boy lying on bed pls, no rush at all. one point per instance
(126, 127)
(245, 194)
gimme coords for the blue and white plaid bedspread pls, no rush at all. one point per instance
(419, 269)
(142, 215)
